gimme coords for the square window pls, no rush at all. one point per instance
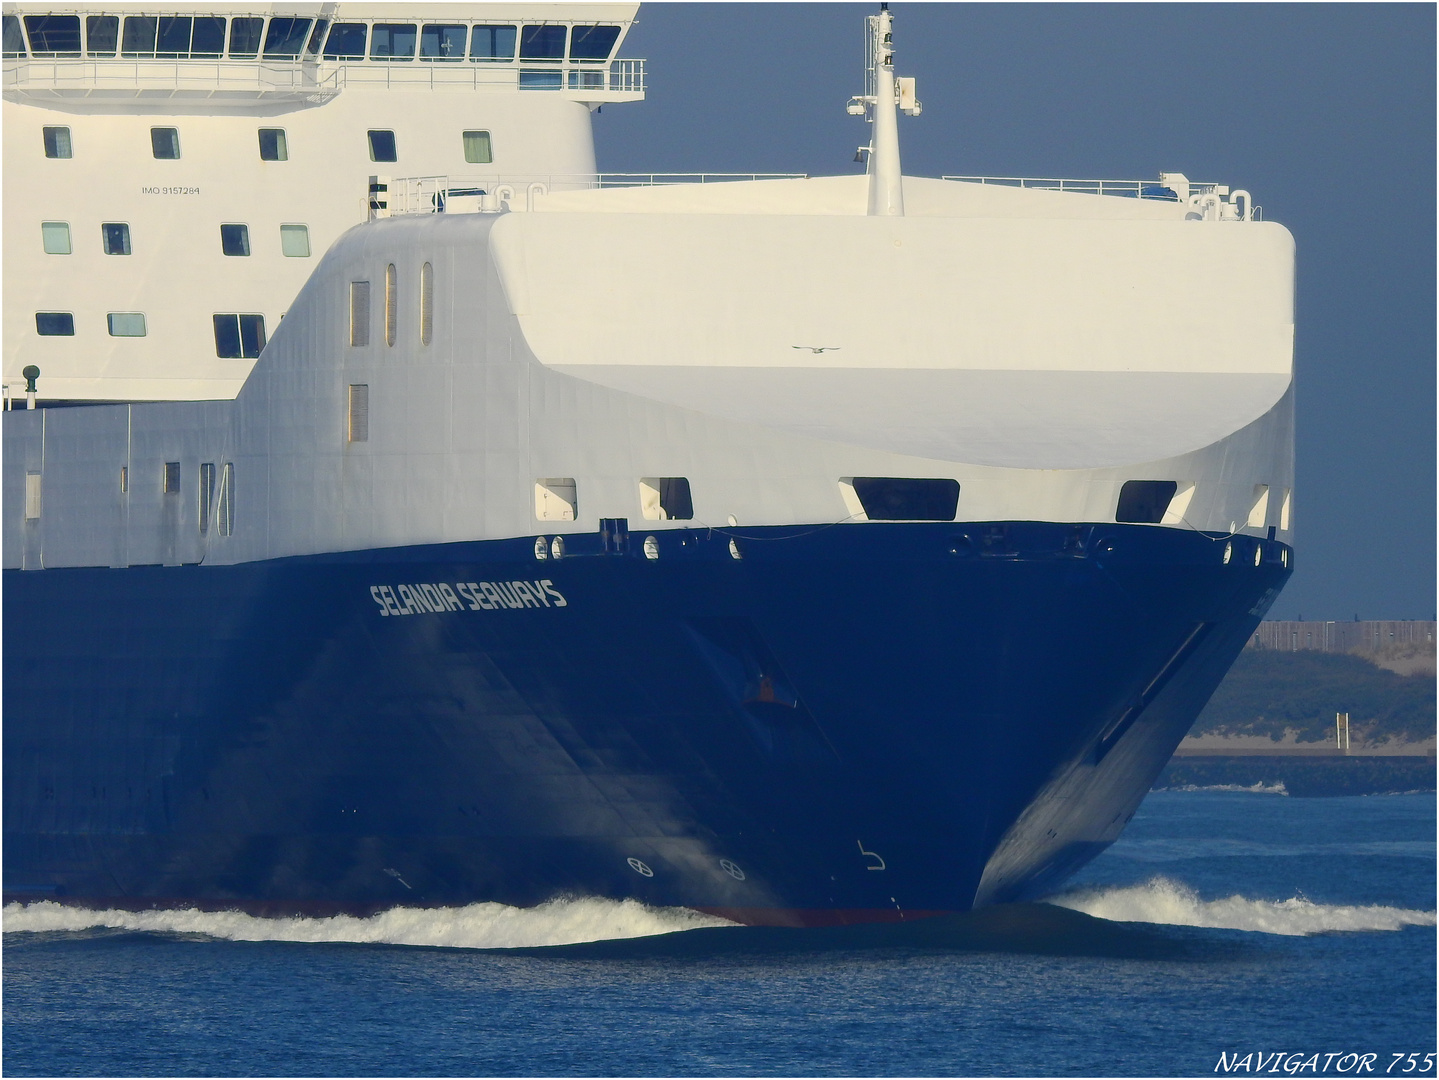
(239, 337)
(14, 38)
(272, 145)
(102, 34)
(442, 42)
(235, 239)
(286, 38)
(54, 324)
(592, 42)
(382, 146)
(116, 236)
(346, 42)
(245, 38)
(542, 43)
(54, 35)
(295, 241)
(492, 44)
(393, 41)
(126, 323)
(165, 143)
(56, 237)
(139, 37)
(174, 37)
(57, 142)
(208, 41)
(477, 148)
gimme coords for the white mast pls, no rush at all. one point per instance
(882, 94)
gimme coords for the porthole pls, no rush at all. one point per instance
(557, 548)
(652, 548)
(542, 548)
(734, 551)
(1258, 554)
(1228, 553)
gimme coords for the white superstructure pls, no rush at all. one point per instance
(172, 176)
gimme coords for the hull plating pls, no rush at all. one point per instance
(847, 723)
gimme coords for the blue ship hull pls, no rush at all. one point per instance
(847, 723)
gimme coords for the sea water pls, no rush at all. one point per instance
(1227, 932)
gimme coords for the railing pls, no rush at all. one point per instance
(441, 194)
(617, 80)
(1133, 189)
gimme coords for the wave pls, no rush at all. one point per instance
(475, 926)
(1260, 788)
(1161, 900)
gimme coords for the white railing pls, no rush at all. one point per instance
(614, 81)
(441, 194)
(1133, 189)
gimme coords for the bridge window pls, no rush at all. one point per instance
(393, 41)
(239, 337)
(542, 43)
(55, 235)
(894, 498)
(115, 238)
(382, 146)
(286, 38)
(442, 42)
(295, 241)
(57, 142)
(317, 36)
(273, 146)
(54, 35)
(235, 239)
(477, 147)
(245, 38)
(139, 37)
(592, 42)
(346, 42)
(666, 498)
(208, 41)
(165, 143)
(102, 34)
(173, 40)
(1144, 502)
(126, 323)
(14, 40)
(54, 324)
(492, 44)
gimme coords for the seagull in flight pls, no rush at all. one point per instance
(818, 349)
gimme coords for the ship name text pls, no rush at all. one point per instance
(439, 597)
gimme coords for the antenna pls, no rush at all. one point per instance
(883, 95)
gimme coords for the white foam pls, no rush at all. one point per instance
(1161, 900)
(1260, 788)
(476, 926)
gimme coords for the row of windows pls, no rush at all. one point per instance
(165, 144)
(237, 336)
(360, 307)
(212, 510)
(187, 37)
(115, 239)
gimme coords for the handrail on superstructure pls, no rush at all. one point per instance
(436, 194)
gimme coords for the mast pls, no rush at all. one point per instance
(884, 96)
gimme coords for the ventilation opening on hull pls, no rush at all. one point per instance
(1144, 502)
(666, 498)
(555, 499)
(896, 498)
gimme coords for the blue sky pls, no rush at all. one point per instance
(1326, 112)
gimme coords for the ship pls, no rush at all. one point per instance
(801, 550)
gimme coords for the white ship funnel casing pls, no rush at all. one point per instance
(596, 350)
